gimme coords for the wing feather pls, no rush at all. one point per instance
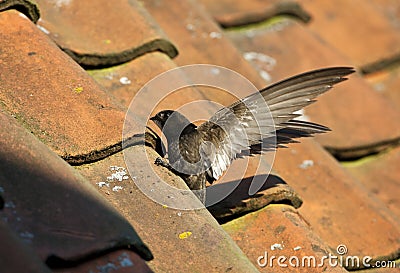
(265, 119)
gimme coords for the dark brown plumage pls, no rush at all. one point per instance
(248, 126)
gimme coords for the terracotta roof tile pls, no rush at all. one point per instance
(339, 209)
(56, 99)
(119, 261)
(341, 109)
(15, 256)
(230, 13)
(348, 25)
(48, 219)
(205, 245)
(390, 9)
(198, 38)
(385, 169)
(279, 230)
(386, 83)
(124, 81)
(124, 32)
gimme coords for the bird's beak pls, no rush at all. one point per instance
(156, 121)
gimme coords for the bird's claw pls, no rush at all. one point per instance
(160, 162)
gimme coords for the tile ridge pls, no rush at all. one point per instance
(291, 9)
(28, 7)
(125, 31)
(382, 64)
(94, 60)
(149, 139)
(96, 155)
(357, 152)
(274, 191)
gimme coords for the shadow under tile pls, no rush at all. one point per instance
(272, 190)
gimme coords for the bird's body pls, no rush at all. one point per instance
(257, 123)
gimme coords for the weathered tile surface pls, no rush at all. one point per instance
(16, 256)
(380, 174)
(279, 230)
(51, 207)
(339, 208)
(141, 85)
(349, 105)
(198, 38)
(357, 29)
(124, 81)
(52, 96)
(386, 83)
(180, 240)
(239, 13)
(119, 261)
(124, 31)
(390, 9)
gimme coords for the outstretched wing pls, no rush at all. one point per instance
(250, 125)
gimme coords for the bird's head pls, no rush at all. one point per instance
(160, 119)
(171, 122)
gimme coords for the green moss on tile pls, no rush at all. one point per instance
(241, 223)
(2, 105)
(234, 225)
(273, 23)
(31, 125)
(103, 71)
(78, 89)
(364, 160)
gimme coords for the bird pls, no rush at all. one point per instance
(263, 121)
